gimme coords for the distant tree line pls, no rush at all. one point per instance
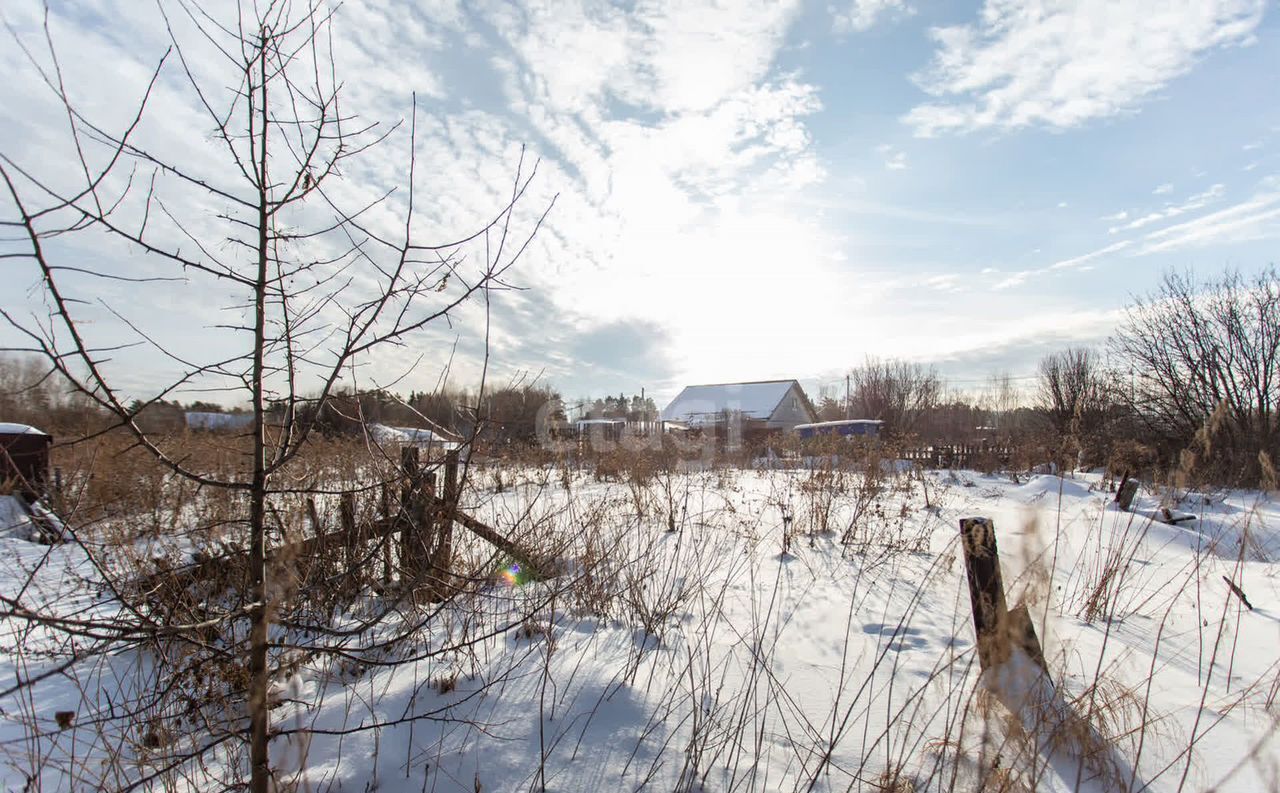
(495, 415)
(633, 408)
(31, 394)
(1190, 383)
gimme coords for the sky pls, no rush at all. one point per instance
(742, 190)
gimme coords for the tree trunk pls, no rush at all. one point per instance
(259, 767)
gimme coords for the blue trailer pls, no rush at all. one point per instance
(868, 428)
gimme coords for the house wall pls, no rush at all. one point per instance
(791, 411)
(24, 461)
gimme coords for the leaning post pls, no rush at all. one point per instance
(995, 625)
(1127, 490)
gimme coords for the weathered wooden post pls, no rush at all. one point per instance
(317, 528)
(316, 541)
(384, 508)
(996, 627)
(350, 542)
(425, 518)
(986, 588)
(1128, 489)
(409, 496)
(442, 554)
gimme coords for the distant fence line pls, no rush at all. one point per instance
(960, 455)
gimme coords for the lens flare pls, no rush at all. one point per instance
(512, 574)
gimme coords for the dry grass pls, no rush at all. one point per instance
(948, 733)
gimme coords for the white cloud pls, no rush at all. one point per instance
(1257, 218)
(1118, 216)
(1059, 64)
(1197, 201)
(1081, 262)
(1014, 279)
(894, 159)
(665, 55)
(729, 49)
(862, 15)
(1163, 189)
(1077, 261)
(611, 91)
(944, 282)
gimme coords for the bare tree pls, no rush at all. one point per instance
(1072, 388)
(1000, 399)
(828, 406)
(264, 222)
(895, 391)
(1074, 393)
(32, 393)
(1204, 367)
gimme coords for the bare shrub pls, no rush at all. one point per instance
(1077, 396)
(896, 392)
(1194, 347)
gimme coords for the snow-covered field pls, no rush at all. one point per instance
(706, 658)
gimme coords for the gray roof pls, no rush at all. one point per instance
(209, 420)
(7, 428)
(698, 404)
(383, 433)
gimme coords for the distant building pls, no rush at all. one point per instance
(761, 405)
(847, 428)
(217, 422)
(602, 429)
(24, 458)
(413, 436)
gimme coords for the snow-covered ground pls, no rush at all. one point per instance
(33, 523)
(706, 658)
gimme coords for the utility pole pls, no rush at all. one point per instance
(848, 404)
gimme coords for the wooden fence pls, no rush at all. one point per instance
(960, 455)
(409, 543)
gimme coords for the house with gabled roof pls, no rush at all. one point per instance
(767, 404)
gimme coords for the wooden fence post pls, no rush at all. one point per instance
(384, 507)
(350, 542)
(1128, 489)
(409, 496)
(425, 519)
(995, 625)
(316, 543)
(317, 528)
(442, 554)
